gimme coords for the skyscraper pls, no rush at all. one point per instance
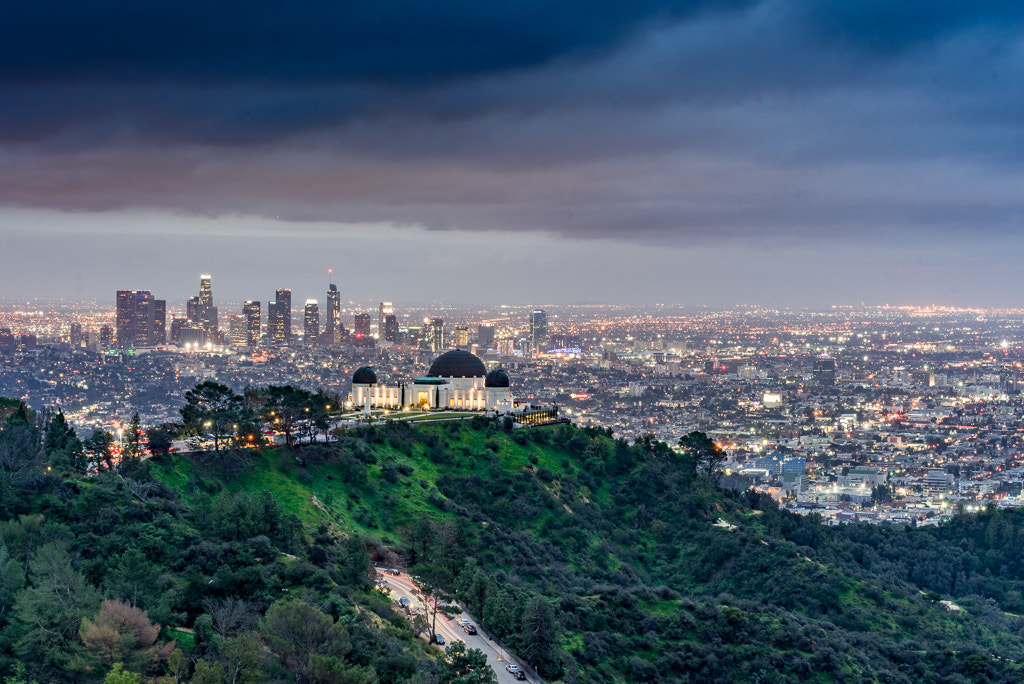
(237, 332)
(311, 329)
(207, 311)
(386, 309)
(461, 336)
(138, 319)
(361, 325)
(251, 311)
(333, 327)
(485, 337)
(435, 334)
(538, 330)
(159, 321)
(279, 318)
(391, 328)
(192, 311)
(125, 318)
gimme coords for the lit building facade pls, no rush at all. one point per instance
(456, 380)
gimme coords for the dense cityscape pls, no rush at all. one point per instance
(882, 414)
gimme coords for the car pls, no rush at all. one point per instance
(393, 571)
(404, 602)
(413, 612)
(469, 629)
(512, 667)
(463, 621)
(519, 674)
(438, 639)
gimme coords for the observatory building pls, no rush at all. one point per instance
(456, 380)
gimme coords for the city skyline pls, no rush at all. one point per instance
(768, 152)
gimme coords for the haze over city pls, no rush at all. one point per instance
(774, 152)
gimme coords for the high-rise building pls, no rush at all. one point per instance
(538, 330)
(461, 336)
(279, 318)
(106, 338)
(77, 336)
(333, 314)
(361, 325)
(138, 322)
(391, 328)
(485, 336)
(386, 309)
(192, 311)
(8, 341)
(311, 329)
(159, 321)
(238, 330)
(125, 318)
(251, 311)
(435, 334)
(207, 311)
(361, 333)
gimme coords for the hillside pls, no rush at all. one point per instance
(594, 559)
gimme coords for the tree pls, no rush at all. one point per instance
(211, 405)
(120, 632)
(538, 637)
(296, 631)
(48, 613)
(460, 666)
(62, 447)
(160, 438)
(706, 456)
(99, 447)
(240, 657)
(118, 675)
(133, 436)
(20, 458)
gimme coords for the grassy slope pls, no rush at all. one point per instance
(385, 510)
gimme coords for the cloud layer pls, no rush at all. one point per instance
(667, 124)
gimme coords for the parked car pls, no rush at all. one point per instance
(469, 629)
(519, 674)
(512, 667)
(404, 602)
(439, 639)
(393, 571)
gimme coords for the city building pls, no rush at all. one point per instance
(485, 336)
(138, 324)
(333, 329)
(238, 333)
(456, 380)
(279, 319)
(386, 309)
(391, 328)
(435, 334)
(538, 330)
(207, 311)
(461, 337)
(251, 311)
(311, 320)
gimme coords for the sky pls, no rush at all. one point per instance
(779, 152)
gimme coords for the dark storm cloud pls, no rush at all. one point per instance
(655, 121)
(261, 40)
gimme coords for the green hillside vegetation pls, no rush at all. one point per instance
(592, 559)
(116, 577)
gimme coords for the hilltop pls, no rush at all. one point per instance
(593, 558)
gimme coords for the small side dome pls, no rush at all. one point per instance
(496, 378)
(364, 376)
